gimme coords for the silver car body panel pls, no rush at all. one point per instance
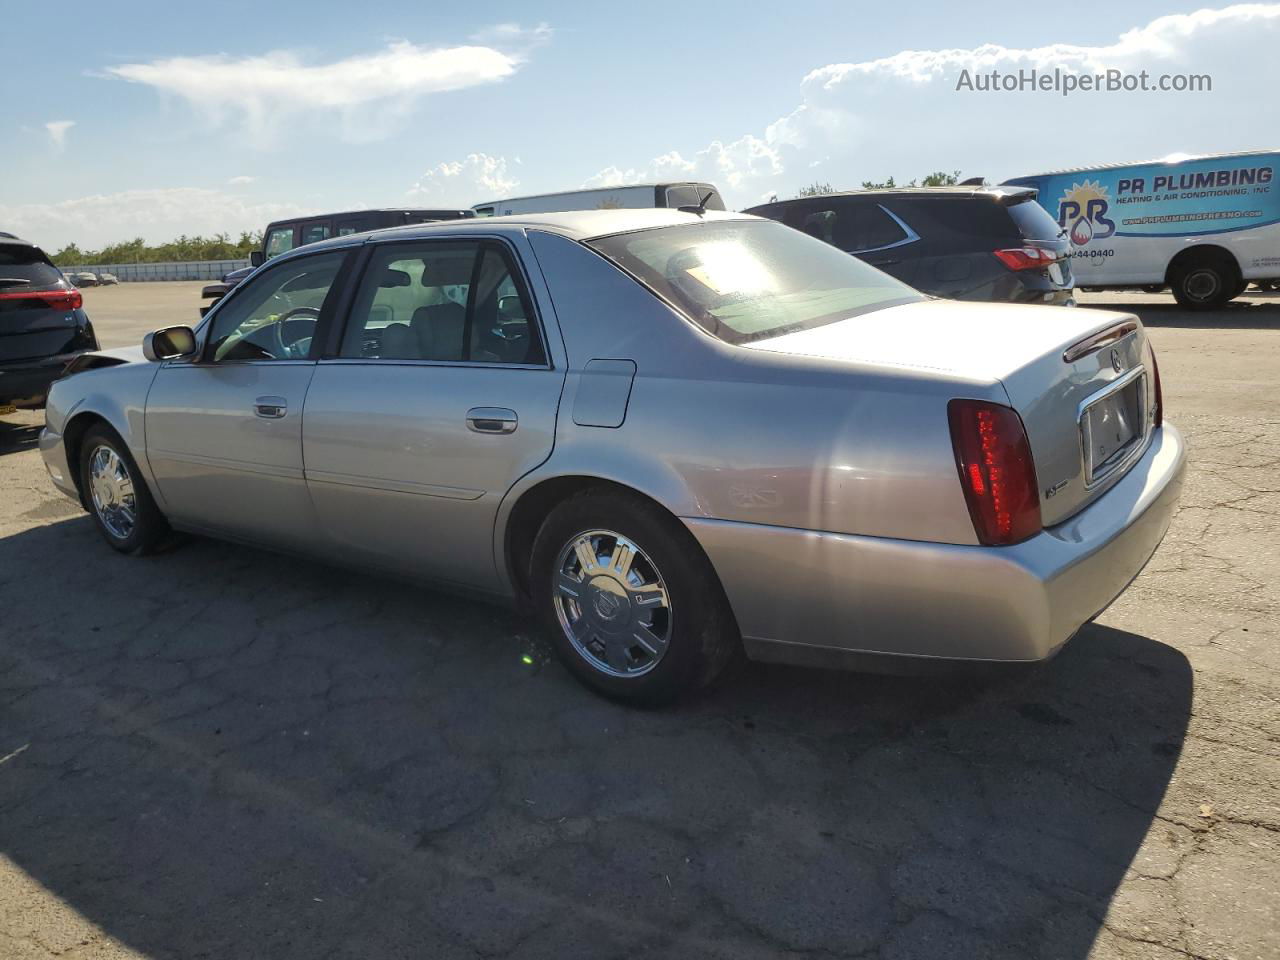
(816, 469)
(843, 595)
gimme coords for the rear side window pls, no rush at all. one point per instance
(315, 232)
(1034, 222)
(874, 228)
(23, 266)
(454, 301)
(691, 194)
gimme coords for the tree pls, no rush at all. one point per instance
(938, 178)
(816, 189)
(218, 247)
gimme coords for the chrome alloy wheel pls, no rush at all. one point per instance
(612, 603)
(111, 487)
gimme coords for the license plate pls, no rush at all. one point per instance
(7, 408)
(1111, 426)
(1055, 273)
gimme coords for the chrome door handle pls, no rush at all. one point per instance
(492, 420)
(271, 408)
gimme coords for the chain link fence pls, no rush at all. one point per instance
(133, 272)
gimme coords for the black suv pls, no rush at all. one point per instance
(964, 243)
(42, 324)
(283, 235)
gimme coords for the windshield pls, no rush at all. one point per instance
(1034, 222)
(746, 280)
(23, 266)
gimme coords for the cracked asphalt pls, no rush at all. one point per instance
(222, 753)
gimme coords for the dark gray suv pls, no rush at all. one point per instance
(963, 243)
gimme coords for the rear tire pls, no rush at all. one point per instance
(629, 601)
(116, 494)
(1204, 284)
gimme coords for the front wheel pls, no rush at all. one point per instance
(116, 495)
(630, 602)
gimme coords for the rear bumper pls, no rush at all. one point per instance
(26, 384)
(803, 596)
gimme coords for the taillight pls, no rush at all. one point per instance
(996, 471)
(1157, 415)
(1025, 258)
(54, 299)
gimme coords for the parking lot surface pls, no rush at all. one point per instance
(218, 752)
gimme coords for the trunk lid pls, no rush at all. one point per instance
(1077, 430)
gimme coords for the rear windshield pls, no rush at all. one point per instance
(23, 266)
(747, 280)
(1034, 222)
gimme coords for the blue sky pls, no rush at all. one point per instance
(153, 121)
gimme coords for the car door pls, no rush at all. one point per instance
(224, 432)
(438, 397)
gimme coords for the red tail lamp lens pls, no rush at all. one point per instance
(1025, 258)
(56, 299)
(996, 471)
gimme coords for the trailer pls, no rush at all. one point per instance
(1203, 226)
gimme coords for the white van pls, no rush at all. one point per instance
(1204, 226)
(631, 196)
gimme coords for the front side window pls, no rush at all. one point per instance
(454, 301)
(279, 240)
(274, 315)
(745, 280)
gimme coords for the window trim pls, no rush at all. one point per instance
(323, 321)
(911, 235)
(333, 343)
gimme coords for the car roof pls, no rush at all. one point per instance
(10, 239)
(1000, 194)
(647, 185)
(368, 210)
(577, 225)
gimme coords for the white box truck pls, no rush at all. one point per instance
(630, 196)
(1203, 226)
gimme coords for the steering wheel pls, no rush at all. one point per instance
(277, 331)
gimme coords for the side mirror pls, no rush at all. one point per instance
(171, 343)
(510, 308)
(256, 259)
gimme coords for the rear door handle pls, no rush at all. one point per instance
(271, 408)
(492, 420)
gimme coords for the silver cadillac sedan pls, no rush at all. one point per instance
(669, 434)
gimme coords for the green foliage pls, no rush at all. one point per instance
(816, 189)
(938, 178)
(184, 249)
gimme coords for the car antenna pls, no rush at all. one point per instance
(701, 207)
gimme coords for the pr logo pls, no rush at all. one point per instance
(1082, 212)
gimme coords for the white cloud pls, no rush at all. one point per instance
(463, 183)
(155, 215)
(732, 166)
(367, 93)
(512, 36)
(241, 181)
(902, 115)
(58, 132)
